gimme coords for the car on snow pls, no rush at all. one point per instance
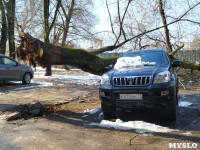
(141, 79)
(11, 70)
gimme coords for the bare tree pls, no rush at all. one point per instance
(195, 45)
(48, 27)
(75, 22)
(30, 17)
(10, 15)
(3, 38)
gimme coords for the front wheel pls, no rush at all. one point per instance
(108, 110)
(26, 78)
(170, 110)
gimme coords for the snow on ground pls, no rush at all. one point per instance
(90, 79)
(2, 117)
(39, 84)
(184, 104)
(88, 112)
(92, 111)
(187, 133)
(43, 69)
(139, 126)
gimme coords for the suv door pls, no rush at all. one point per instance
(12, 70)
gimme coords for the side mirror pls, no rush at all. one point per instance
(110, 67)
(176, 63)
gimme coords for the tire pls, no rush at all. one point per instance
(108, 110)
(26, 78)
(170, 110)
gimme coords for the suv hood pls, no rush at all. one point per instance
(144, 71)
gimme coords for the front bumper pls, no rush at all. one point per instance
(151, 95)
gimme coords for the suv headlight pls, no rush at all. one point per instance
(162, 77)
(105, 80)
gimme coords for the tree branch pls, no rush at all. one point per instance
(110, 48)
(111, 23)
(121, 21)
(176, 50)
(55, 15)
(162, 13)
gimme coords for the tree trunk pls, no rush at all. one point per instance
(3, 39)
(48, 70)
(38, 52)
(47, 28)
(11, 24)
(164, 21)
(67, 22)
(46, 32)
(46, 21)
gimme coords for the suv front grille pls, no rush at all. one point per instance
(131, 81)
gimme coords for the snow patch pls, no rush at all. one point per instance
(89, 79)
(183, 96)
(187, 133)
(85, 116)
(133, 62)
(100, 115)
(2, 117)
(1, 93)
(44, 69)
(147, 134)
(184, 104)
(92, 111)
(140, 126)
(40, 84)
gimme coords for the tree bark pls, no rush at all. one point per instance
(46, 32)
(10, 5)
(3, 39)
(46, 21)
(67, 22)
(48, 28)
(166, 30)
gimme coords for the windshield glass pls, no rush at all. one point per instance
(138, 60)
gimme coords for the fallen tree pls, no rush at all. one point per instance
(37, 52)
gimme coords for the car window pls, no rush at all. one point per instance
(8, 61)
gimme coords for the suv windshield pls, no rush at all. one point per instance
(138, 60)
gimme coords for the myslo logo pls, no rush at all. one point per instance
(183, 145)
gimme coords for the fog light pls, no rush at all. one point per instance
(102, 93)
(164, 92)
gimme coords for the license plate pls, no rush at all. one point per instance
(130, 96)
